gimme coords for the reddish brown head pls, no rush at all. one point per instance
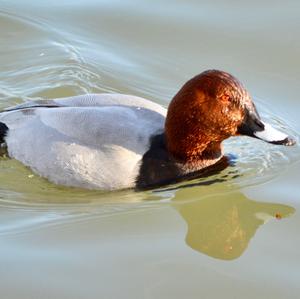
(208, 109)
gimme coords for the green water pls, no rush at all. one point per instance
(235, 238)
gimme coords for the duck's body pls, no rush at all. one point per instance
(91, 141)
(114, 141)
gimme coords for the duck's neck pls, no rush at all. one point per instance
(160, 166)
(195, 153)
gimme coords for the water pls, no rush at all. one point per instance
(232, 235)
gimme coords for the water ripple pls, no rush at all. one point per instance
(51, 62)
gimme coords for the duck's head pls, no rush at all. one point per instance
(209, 108)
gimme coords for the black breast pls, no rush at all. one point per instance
(159, 168)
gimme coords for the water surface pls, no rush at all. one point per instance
(232, 235)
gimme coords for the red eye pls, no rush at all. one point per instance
(225, 98)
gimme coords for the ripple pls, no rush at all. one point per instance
(50, 62)
(258, 161)
(21, 217)
(253, 161)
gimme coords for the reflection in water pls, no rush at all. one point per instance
(221, 225)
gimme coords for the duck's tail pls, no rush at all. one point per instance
(3, 132)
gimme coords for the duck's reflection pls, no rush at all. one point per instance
(221, 225)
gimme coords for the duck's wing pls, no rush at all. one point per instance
(92, 100)
(91, 147)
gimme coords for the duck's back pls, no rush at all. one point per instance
(91, 141)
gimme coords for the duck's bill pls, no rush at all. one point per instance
(254, 127)
(274, 136)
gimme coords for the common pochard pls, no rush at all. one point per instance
(115, 141)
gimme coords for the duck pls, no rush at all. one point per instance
(118, 141)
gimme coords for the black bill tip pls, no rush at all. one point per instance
(288, 141)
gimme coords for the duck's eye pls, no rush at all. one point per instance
(225, 98)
